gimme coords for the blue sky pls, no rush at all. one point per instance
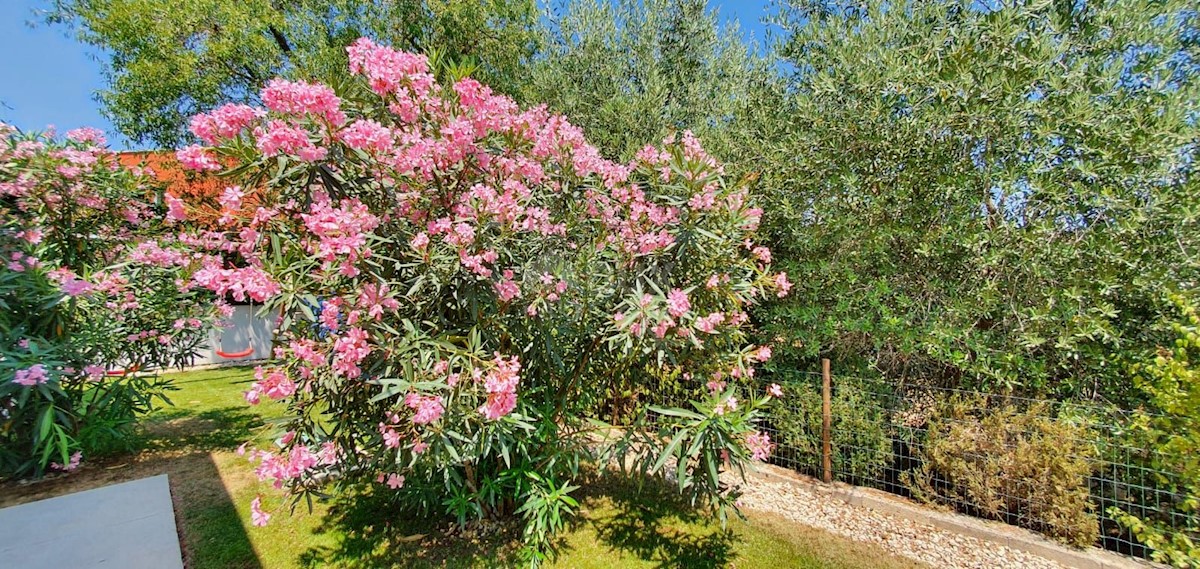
(47, 78)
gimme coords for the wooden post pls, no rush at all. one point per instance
(826, 422)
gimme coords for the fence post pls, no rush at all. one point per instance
(826, 422)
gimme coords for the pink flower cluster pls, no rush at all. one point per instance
(287, 466)
(226, 121)
(274, 384)
(388, 71)
(501, 385)
(349, 351)
(428, 408)
(341, 232)
(257, 516)
(678, 303)
(31, 376)
(241, 283)
(375, 300)
(367, 135)
(299, 97)
(280, 137)
(195, 157)
(760, 445)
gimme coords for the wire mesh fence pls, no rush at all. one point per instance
(1065, 469)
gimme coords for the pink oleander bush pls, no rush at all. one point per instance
(463, 286)
(89, 284)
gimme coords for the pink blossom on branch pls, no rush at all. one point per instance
(678, 303)
(195, 157)
(224, 122)
(31, 376)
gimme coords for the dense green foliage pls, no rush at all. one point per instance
(170, 60)
(633, 70)
(1171, 426)
(860, 435)
(85, 287)
(986, 198)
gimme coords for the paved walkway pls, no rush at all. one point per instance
(123, 526)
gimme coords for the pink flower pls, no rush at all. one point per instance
(75, 287)
(195, 157)
(226, 121)
(660, 329)
(329, 315)
(31, 376)
(774, 390)
(760, 445)
(87, 135)
(428, 407)
(244, 282)
(708, 324)
(715, 385)
(299, 97)
(94, 372)
(762, 253)
(506, 288)
(391, 437)
(341, 231)
(349, 351)
(726, 406)
(501, 385)
(258, 517)
(419, 241)
(231, 202)
(367, 135)
(71, 465)
(762, 354)
(395, 481)
(275, 384)
(375, 299)
(282, 138)
(678, 303)
(388, 70)
(175, 209)
(782, 284)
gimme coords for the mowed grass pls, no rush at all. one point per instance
(194, 442)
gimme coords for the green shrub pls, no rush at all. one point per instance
(1171, 428)
(860, 439)
(1018, 465)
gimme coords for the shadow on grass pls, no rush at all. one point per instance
(214, 534)
(657, 525)
(373, 531)
(618, 521)
(185, 429)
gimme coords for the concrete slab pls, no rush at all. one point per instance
(127, 526)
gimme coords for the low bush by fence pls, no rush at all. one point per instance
(1069, 470)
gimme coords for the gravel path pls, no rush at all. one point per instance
(918, 541)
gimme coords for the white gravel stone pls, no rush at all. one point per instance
(914, 540)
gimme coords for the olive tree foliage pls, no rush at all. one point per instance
(167, 61)
(985, 195)
(629, 71)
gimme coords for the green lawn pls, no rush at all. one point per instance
(194, 441)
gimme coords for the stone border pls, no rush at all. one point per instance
(996, 532)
